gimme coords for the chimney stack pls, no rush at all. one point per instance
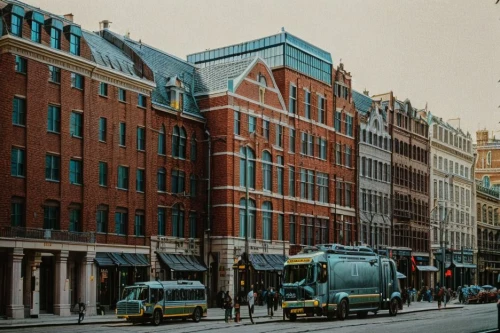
(69, 17)
(104, 24)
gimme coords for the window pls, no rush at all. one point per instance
(292, 140)
(348, 196)
(267, 168)
(267, 220)
(102, 219)
(338, 121)
(139, 180)
(122, 135)
(338, 154)
(103, 89)
(139, 224)
(19, 111)
(103, 174)
(291, 181)
(161, 222)
(280, 174)
(123, 177)
(54, 119)
(52, 167)
(192, 150)
(75, 220)
(76, 81)
(279, 135)
(178, 181)
(75, 128)
(265, 129)
(74, 44)
(55, 38)
(192, 225)
(252, 124)
(75, 172)
(177, 221)
(292, 238)
(349, 131)
(51, 217)
(247, 225)
(306, 184)
(121, 218)
(54, 74)
(161, 141)
(307, 104)
(322, 186)
(21, 65)
(322, 148)
(247, 167)
(348, 157)
(122, 95)
(179, 142)
(102, 129)
(141, 142)
(17, 218)
(141, 100)
(16, 25)
(338, 194)
(321, 110)
(36, 32)
(161, 178)
(237, 123)
(192, 186)
(293, 99)
(17, 163)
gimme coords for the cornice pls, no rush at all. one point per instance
(66, 61)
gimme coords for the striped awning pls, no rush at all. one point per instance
(106, 259)
(181, 262)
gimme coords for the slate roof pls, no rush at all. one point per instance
(164, 66)
(214, 78)
(105, 54)
(363, 103)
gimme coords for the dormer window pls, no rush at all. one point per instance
(55, 28)
(36, 21)
(175, 92)
(73, 34)
(16, 19)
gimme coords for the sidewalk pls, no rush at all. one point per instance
(214, 314)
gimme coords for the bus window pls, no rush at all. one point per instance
(323, 272)
(154, 295)
(160, 295)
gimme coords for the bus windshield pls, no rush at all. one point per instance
(135, 294)
(301, 274)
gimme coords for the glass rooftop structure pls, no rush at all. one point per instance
(282, 49)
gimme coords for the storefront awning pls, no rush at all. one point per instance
(181, 262)
(259, 263)
(276, 260)
(106, 259)
(427, 268)
(458, 265)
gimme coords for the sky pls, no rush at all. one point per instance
(442, 54)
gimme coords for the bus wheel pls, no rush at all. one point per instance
(293, 316)
(157, 317)
(197, 315)
(393, 307)
(342, 310)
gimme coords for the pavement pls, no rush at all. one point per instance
(260, 316)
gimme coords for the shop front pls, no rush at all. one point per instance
(402, 257)
(422, 270)
(180, 267)
(462, 269)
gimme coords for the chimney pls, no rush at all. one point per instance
(104, 24)
(69, 17)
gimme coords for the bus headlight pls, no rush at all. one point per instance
(316, 303)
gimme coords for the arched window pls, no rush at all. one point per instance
(478, 211)
(177, 221)
(267, 220)
(161, 141)
(363, 135)
(251, 218)
(486, 181)
(267, 171)
(179, 142)
(162, 179)
(375, 142)
(385, 144)
(247, 163)
(192, 150)
(483, 214)
(488, 158)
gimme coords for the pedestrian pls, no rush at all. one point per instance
(447, 295)
(275, 301)
(228, 306)
(81, 311)
(251, 299)
(440, 297)
(270, 302)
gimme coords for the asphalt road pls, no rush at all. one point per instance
(471, 318)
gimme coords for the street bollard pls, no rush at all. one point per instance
(237, 313)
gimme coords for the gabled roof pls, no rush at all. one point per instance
(164, 67)
(215, 78)
(362, 102)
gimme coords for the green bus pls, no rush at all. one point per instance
(154, 301)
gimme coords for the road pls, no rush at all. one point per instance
(471, 318)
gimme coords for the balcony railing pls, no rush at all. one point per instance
(48, 234)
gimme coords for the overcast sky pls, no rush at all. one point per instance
(444, 53)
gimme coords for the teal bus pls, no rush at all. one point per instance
(154, 301)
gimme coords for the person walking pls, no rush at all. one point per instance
(440, 297)
(81, 311)
(251, 299)
(228, 306)
(270, 302)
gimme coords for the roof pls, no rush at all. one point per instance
(164, 66)
(362, 102)
(215, 78)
